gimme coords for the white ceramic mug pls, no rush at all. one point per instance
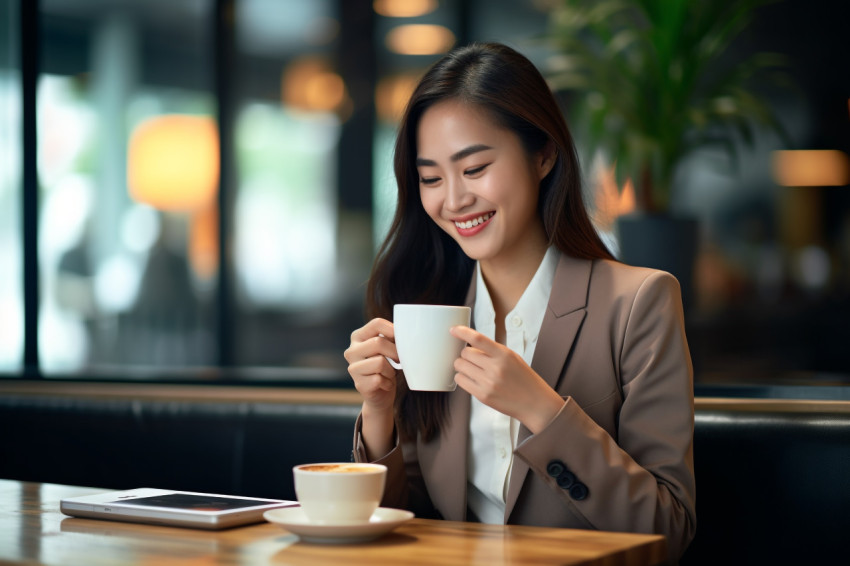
(338, 493)
(426, 349)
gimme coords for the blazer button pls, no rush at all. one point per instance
(578, 491)
(555, 468)
(566, 480)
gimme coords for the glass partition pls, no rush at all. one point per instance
(11, 258)
(291, 106)
(128, 168)
(129, 171)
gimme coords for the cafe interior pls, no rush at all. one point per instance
(192, 193)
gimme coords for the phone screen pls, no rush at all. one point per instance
(193, 502)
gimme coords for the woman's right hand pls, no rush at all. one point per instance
(375, 379)
(373, 375)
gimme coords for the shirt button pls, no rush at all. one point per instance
(516, 321)
(503, 453)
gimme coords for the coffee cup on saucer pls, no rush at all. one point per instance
(339, 493)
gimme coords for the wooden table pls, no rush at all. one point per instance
(34, 531)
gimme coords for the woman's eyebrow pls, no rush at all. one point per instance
(465, 152)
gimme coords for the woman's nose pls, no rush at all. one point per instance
(457, 197)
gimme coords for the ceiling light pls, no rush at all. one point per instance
(811, 168)
(420, 39)
(404, 8)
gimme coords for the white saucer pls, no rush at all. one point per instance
(382, 521)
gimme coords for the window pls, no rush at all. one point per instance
(11, 292)
(128, 174)
(215, 176)
(289, 271)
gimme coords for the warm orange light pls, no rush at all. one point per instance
(392, 94)
(203, 241)
(404, 8)
(611, 202)
(811, 168)
(310, 84)
(420, 39)
(173, 162)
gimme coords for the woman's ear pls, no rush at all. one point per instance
(546, 159)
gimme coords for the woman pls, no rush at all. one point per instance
(574, 405)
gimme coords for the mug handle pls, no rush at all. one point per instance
(395, 364)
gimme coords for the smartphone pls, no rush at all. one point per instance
(174, 508)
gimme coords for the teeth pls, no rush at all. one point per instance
(475, 221)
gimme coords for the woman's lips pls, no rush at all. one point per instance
(472, 225)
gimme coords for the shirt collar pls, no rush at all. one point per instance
(531, 306)
(484, 315)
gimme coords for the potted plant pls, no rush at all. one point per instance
(652, 81)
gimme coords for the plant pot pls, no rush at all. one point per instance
(661, 242)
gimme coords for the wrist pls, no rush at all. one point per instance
(377, 431)
(377, 414)
(545, 412)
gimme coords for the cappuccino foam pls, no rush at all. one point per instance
(337, 468)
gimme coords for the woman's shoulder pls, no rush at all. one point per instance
(581, 282)
(604, 285)
(615, 268)
(629, 279)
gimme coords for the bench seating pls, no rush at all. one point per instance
(773, 482)
(773, 477)
(196, 439)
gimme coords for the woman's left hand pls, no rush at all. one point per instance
(498, 377)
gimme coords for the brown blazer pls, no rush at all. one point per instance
(613, 345)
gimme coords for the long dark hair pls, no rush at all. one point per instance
(418, 262)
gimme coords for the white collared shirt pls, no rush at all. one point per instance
(493, 435)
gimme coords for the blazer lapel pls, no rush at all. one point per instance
(561, 323)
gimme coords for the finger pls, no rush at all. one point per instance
(466, 383)
(480, 387)
(474, 338)
(467, 368)
(472, 361)
(375, 327)
(376, 365)
(374, 346)
(475, 356)
(388, 383)
(367, 385)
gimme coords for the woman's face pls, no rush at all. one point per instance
(479, 185)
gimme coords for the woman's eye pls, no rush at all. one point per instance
(475, 170)
(428, 180)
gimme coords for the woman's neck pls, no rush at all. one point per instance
(507, 280)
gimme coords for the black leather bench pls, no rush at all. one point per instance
(239, 447)
(773, 477)
(773, 482)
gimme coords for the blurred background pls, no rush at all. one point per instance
(196, 184)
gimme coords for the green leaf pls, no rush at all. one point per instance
(652, 81)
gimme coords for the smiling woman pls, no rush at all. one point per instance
(574, 404)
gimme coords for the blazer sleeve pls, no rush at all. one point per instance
(642, 480)
(405, 487)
